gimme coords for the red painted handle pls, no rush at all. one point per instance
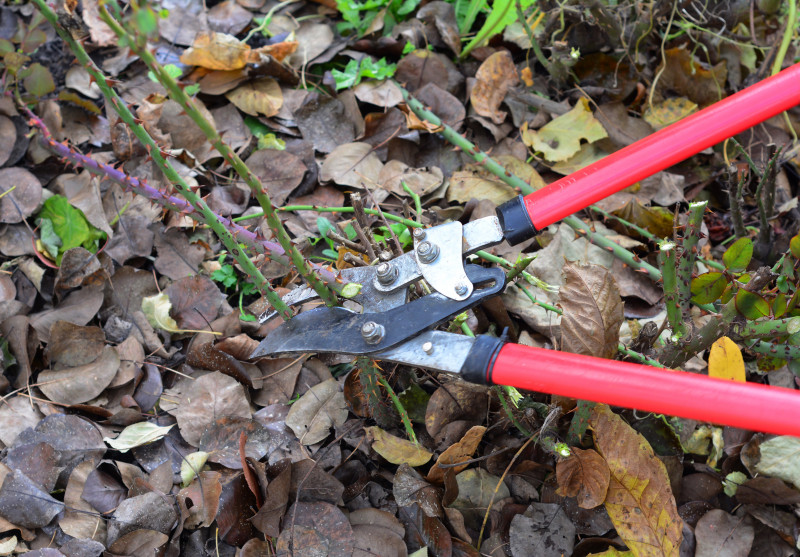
(664, 148)
(675, 393)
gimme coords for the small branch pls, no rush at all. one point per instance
(735, 201)
(667, 260)
(177, 94)
(688, 255)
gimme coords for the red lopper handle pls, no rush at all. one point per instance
(664, 148)
(675, 393)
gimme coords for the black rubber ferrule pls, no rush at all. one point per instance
(480, 360)
(515, 221)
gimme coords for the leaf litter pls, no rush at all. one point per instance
(284, 455)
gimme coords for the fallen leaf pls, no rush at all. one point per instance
(688, 76)
(216, 51)
(544, 530)
(352, 164)
(191, 465)
(80, 383)
(660, 115)
(720, 534)
(156, 309)
(725, 361)
(137, 435)
(780, 458)
(639, 500)
(80, 520)
(585, 475)
(592, 311)
(477, 488)
(314, 413)
(466, 185)
(496, 75)
(208, 397)
(262, 96)
(23, 503)
(316, 529)
(421, 181)
(459, 452)
(397, 450)
(18, 203)
(561, 138)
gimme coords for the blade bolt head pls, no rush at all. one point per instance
(372, 332)
(461, 289)
(387, 273)
(428, 348)
(427, 252)
(419, 233)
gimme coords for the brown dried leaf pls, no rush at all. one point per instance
(279, 171)
(461, 451)
(80, 519)
(720, 534)
(262, 96)
(216, 51)
(584, 474)
(211, 395)
(422, 181)
(321, 407)
(316, 529)
(195, 301)
(689, 77)
(352, 164)
(494, 78)
(204, 494)
(592, 311)
(19, 203)
(8, 138)
(80, 383)
(177, 258)
(639, 500)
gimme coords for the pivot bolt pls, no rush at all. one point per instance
(427, 252)
(461, 289)
(387, 273)
(372, 332)
(428, 348)
(419, 233)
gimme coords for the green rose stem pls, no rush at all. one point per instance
(197, 209)
(176, 92)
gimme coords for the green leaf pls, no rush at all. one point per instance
(351, 289)
(38, 80)
(191, 466)
(794, 246)
(137, 435)
(779, 305)
(271, 141)
(145, 21)
(48, 237)
(7, 359)
(751, 305)
(732, 482)
(737, 257)
(69, 225)
(323, 225)
(708, 287)
(192, 90)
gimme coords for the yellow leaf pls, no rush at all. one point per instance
(660, 115)
(639, 499)
(397, 450)
(216, 51)
(613, 552)
(262, 96)
(725, 361)
(561, 138)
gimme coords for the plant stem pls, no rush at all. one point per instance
(688, 255)
(197, 207)
(400, 408)
(667, 260)
(177, 94)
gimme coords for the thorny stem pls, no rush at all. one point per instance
(400, 409)
(667, 259)
(650, 236)
(197, 207)
(688, 255)
(177, 93)
(734, 200)
(765, 197)
(626, 256)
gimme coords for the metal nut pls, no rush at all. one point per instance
(461, 289)
(419, 233)
(427, 252)
(386, 273)
(372, 332)
(428, 348)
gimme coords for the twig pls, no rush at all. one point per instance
(177, 94)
